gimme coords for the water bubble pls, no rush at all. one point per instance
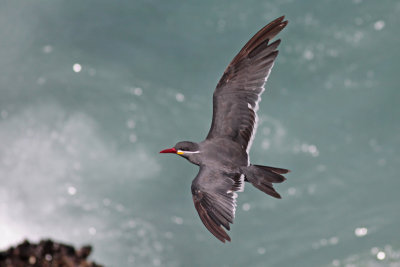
(132, 138)
(333, 53)
(374, 145)
(221, 25)
(47, 49)
(382, 162)
(137, 91)
(312, 149)
(292, 191)
(4, 114)
(120, 208)
(158, 246)
(333, 240)
(308, 20)
(88, 206)
(381, 255)
(265, 144)
(358, 21)
(77, 67)
(141, 232)
(41, 81)
(132, 223)
(379, 25)
(261, 251)
(374, 250)
(348, 83)
(395, 255)
(370, 74)
(156, 262)
(179, 97)
(358, 36)
(132, 106)
(177, 220)
(169, 235)
(77, 166)
(92, 231)
(266, 130)
(311, 189)
(131, 259)
(246, 206)
(361, 231)
(92, 72)
(106, 202)
(308, 54)
(130, 124)
(336, 263)
(304, 147)
(71, 190)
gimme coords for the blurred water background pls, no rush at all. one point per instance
(91, 91)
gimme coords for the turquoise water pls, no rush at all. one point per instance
(91, 91)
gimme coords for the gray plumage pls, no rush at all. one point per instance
(223, 156)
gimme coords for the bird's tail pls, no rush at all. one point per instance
(262, 178)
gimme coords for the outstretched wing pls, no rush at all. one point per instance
(214, 198)
(236, 97)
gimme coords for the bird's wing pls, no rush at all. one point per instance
(236, 97)
(214, 196)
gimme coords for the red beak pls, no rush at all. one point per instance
(169, 150)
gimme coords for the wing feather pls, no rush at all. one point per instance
(241, 86)
(214, 198)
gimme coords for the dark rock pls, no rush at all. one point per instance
(46, 254)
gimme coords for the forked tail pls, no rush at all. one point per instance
(262, 178)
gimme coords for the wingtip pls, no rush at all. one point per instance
(276, 43)
(227, 239)
(224, 238)
(282, 23)
(281, 20)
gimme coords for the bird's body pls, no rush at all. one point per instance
(223, 156)
(219, 152)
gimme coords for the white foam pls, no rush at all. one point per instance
(51, 147)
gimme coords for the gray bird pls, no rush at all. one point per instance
(223, 156)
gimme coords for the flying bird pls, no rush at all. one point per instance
(223, 156)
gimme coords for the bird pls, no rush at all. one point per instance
(223, 157)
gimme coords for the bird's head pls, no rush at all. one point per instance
(185, 149)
